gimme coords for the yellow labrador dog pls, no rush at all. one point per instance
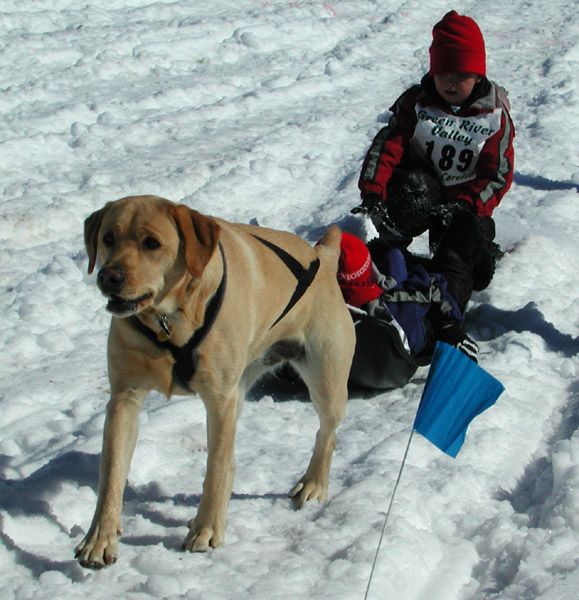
(204, 306)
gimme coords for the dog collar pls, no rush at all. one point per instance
(185, 356)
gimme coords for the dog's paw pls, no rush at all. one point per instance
(201, 538)
(98, 549)
(308, 489)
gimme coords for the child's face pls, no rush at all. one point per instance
(455, 88)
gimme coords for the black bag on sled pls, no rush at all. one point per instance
(380, 360)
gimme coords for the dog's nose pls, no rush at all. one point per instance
(111, 279)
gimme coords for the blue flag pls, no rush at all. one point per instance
(456, 391)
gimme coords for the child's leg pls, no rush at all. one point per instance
(464, 239)
(457, 273)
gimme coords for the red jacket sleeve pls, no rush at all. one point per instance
(494, 174)
(389, 145)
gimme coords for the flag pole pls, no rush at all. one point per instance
(455, 386)
(388, 513)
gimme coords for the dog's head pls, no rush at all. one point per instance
(145, 246)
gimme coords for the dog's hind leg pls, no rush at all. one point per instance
(325, 371)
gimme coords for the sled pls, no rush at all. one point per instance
(381, 360)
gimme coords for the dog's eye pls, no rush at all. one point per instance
(150, 243)
(108, 239)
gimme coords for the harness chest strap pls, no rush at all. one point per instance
(185, 359)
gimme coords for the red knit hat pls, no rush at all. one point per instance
(355, 275)
(457, 46)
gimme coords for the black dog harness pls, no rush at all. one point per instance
(185, 356)
(304, 276)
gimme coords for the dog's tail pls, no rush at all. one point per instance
(328, 248)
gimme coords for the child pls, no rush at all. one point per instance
(447, 148)
(402, 292)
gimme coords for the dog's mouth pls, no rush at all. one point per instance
(123, 307)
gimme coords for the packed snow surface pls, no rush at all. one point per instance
(264, 110)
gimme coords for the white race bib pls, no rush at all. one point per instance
(452, 144)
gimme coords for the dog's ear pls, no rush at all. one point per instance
(92, 226)
(200, 234)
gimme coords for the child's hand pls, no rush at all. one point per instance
(487, 226)
(372, 205)
(445, 212)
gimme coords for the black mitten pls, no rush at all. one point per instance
(440, 219)
(372, 204)
(469, 347)
(487, 227)
(453, 334)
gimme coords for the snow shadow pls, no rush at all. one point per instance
(37, 565)
(488, 318)
(532, 491)
(32, 496)
(529, 494)
(534, 495)
(538, 182)
(286, 385)
(282, 384)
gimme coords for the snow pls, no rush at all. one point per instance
(264, 110)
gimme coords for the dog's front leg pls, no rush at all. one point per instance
(99, 547)
(208, 527)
